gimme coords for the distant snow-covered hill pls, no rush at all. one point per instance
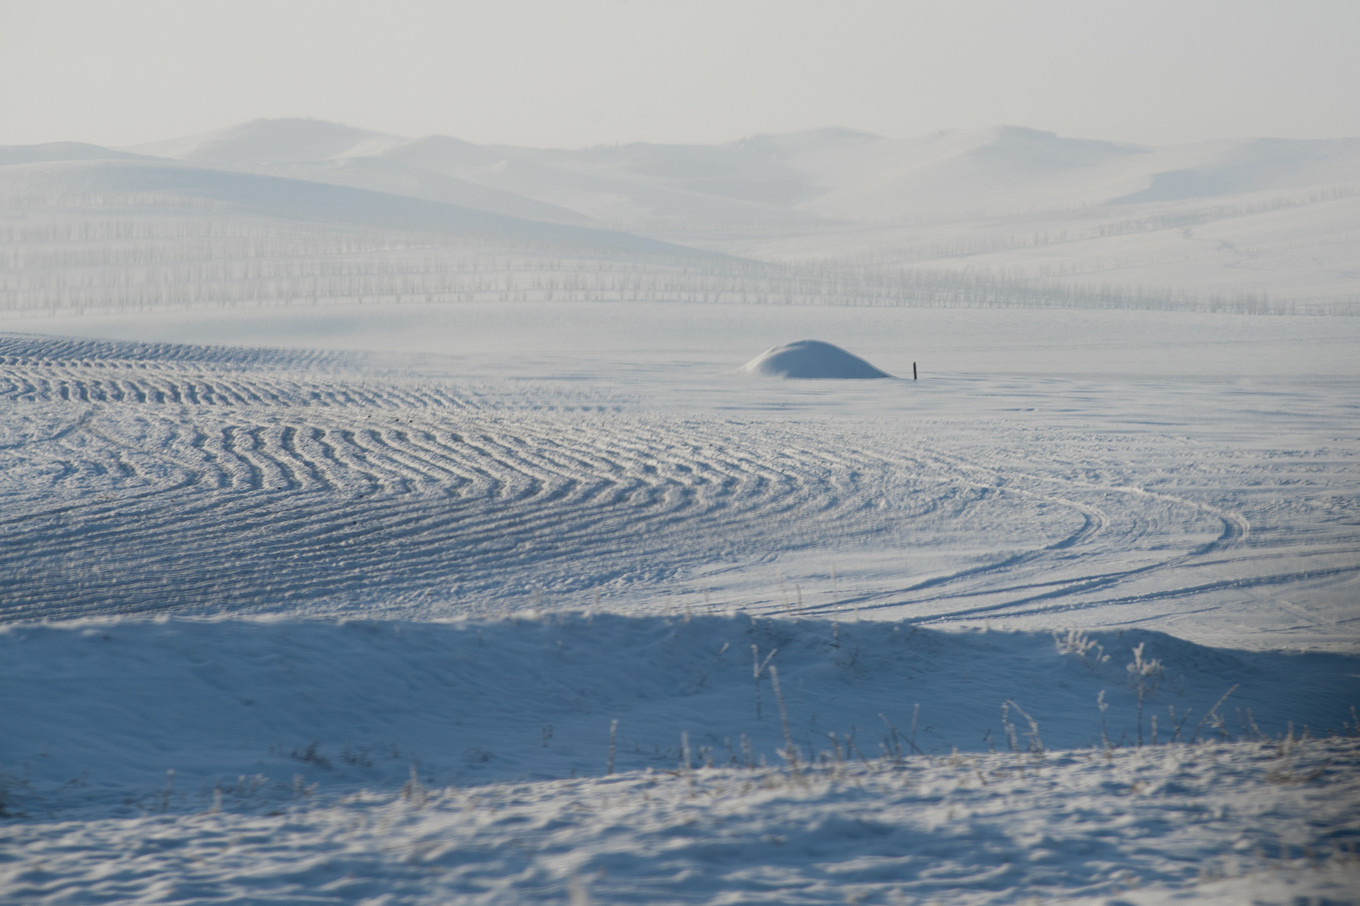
(836, 174)
(1001, 216)
(265, 141)
(55, 151)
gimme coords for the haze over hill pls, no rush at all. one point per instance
(836, 174)
(1006, 215)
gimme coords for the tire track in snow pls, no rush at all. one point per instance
(206, 484)
(1066, 573)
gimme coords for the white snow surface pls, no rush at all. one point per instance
(375, 528)
(435, 614)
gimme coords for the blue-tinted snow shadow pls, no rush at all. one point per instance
(254, 712)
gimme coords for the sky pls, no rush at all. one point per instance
(576, 73)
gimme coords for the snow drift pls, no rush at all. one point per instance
(811, 359)
(97, 711)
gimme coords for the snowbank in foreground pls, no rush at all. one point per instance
(1214, 823)
(106, 718)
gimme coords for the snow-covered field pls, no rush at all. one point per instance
(538, 596)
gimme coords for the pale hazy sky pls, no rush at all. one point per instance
(572, 73)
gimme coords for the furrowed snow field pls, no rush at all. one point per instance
(359, 547)
(242, 480)
(338, 625)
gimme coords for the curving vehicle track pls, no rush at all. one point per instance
(153, 478)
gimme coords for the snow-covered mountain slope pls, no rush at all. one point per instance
(999, 216)
(148, 188)
(381, 174)
(1004, 216)
(280, 141)
(58, 151)
(615, 185)
(331, 153)
(833, 173)
(1259, 165)
(118, 234)
(994, 172)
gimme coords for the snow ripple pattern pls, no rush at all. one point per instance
(152, 481)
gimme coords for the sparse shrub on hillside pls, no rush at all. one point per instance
(1076, 643)
(1144, 675)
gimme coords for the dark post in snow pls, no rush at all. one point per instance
(913, 371)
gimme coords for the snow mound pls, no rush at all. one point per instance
(807, 359)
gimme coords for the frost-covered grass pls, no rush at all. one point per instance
(603, 758)
(1212, 822)
(94, 728)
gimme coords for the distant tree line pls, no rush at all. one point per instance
(70, 264)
